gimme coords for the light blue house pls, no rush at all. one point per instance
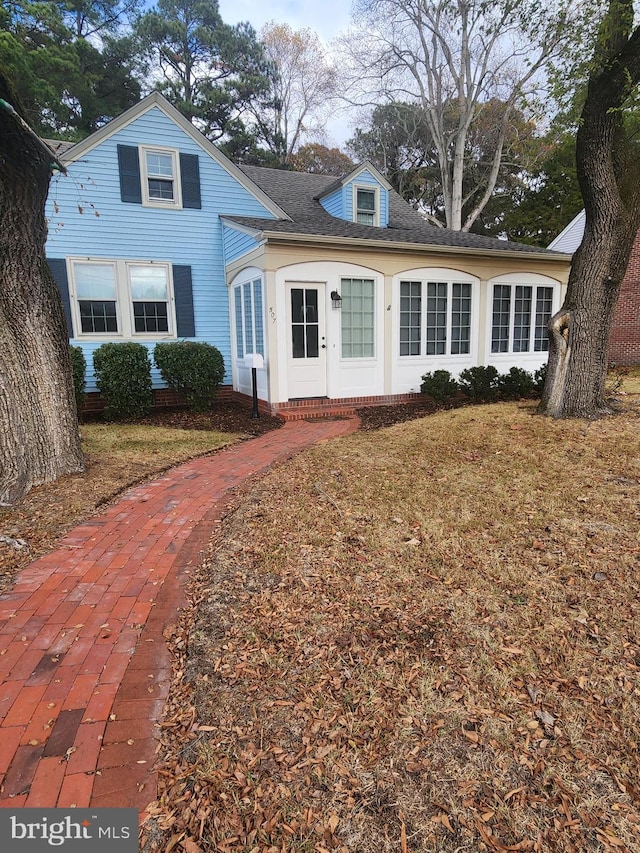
(342, 289)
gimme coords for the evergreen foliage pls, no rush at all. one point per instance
(123, 377)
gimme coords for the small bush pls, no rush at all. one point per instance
(123, 374)
(78, 370)
(515, 384)
(539, 378)
(194, 369)
(439, 385)
(479, 383)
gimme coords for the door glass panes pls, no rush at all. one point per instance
(304, 323)
(544, 300)
(501, 316)
(522, 319)
(436, 336)
(410, 317)
(460, 319)
(96, 295)
(357, 317)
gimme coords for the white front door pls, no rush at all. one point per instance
(306, 345)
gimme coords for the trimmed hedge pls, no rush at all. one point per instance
(440, 386)
(123, 375)
(193, 369)
(79, 371)
(484, 384)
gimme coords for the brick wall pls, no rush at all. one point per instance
(624, 344)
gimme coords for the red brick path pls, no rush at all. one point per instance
(84, 667)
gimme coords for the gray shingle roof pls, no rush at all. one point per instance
(297, 194)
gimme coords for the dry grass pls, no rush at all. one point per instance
(421, 639)
(116, 456)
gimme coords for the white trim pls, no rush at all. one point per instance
(124, 303)
(512, 280)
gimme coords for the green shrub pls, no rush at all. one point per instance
(193, 369)
(539, 378)
(439, 385)
(515, 384)
(78, 370)
(479, 383)
(123, 374)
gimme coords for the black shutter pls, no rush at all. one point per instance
(129, 169)
(58, 267)
(190, 176)
(183, 293)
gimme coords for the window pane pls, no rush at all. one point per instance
(544, 300)
(148, 282)
(159, 164)
(460, 319)
(357, 317)
(257, 316)
(366, 200)
(239, 327)
(248, 317)
(95, 281)
(410, 317)
(161, 189)
(150, 317)
(522, 319)
(297, 339)
(312, 341)
(98, 317)
(366, 218)
(501, 317)
(436, 332)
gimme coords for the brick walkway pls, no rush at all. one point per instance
(84, 668)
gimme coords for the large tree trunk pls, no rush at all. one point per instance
(39, 437)
(609, 175)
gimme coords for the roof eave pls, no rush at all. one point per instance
(402, 246)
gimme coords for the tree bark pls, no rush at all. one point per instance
(609, 175)
(39, 436)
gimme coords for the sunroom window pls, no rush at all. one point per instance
(520, 316)
(435, 318)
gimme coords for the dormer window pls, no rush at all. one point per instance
(366, 206)
(161, 179)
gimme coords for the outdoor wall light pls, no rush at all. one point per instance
(336, 299)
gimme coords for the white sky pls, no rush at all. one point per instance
(328, 18)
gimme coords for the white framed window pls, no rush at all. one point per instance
(520, 313)
(121, 299)
(435, 317)
(249, 317)
(160, 172)
(366, 204)
(357, 317)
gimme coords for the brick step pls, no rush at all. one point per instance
(304, 413)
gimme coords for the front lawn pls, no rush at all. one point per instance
(418, 639)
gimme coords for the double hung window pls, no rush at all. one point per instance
(366, 204)
(161, 177)
(124, 299)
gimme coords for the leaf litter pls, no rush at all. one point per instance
(399, 643)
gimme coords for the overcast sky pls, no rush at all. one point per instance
(326, 17)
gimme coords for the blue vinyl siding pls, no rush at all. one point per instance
(236, 243)
(88, 219)
(334, 204)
